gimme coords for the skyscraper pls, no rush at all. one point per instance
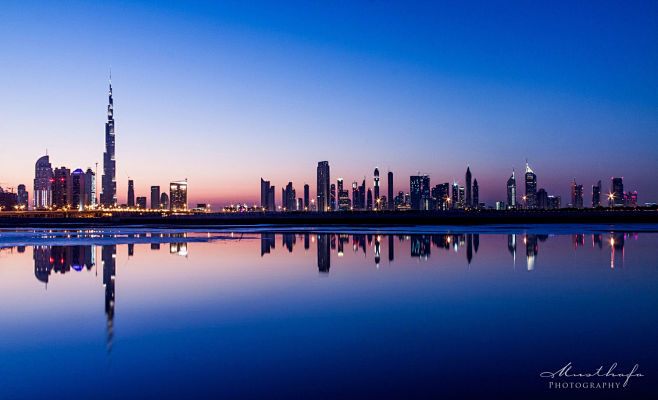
(155, 197)
(90, 188)
(141, 202)
(131, 193)
(164, 201)
(425, 192)
(617, 191)
(109, 190)
(369, 200)
(343, 196)
(178, 195)
(415, 191)
(356, 202)
(362, 195)
(455, 195)
(43, 183)
(62, 188)
(306, 197)
(576, 195)
(469, 198)
(332, 197)
(323, 186)
(530, 188)
(391, 203)
(77, 190)
(476, 195)
(596, 195)
(288, 198)
(511, 192)
(23, 199)
(376, 188)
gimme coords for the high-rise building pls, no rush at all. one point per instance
(267, 196)
(511, 192)
(23, 199)
(369, 200)
(596, 195)
(109, 191)
(141, 202)
(576, 195)
(542, 199)
(441, 195)
(90, 188)
(362, 195)
(455, 195)
(415, 183)
(332, 197)
(617, 192)
(469, 199)
(164, 201)
(78, 200)
(131, 193)
(530, 188)
(630, 199)
(425, 192)
(288, 197)
(462, 198)
(43, 183)
(554, 202)
(306, 197)
(343, 196)
(62, 188)
(178, 195)
(323, 186)
(356, 202)
(476, 194)
(155, 198)
(376, 188)
(391, 203)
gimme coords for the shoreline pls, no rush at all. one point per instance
(358, 218)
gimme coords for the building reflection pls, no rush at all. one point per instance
(108, 258)
(62, 259)
(324, 253)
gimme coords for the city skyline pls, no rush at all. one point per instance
(404, 121)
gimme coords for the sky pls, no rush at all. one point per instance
(226, 93)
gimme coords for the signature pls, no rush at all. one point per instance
(610, 373)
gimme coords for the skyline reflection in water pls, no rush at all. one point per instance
(197, 281)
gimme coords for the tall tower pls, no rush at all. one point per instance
(376, 186)
(391, 203)
(109, 183)
(469, 196)
(323, 186)
(530, 188)
(511, 192)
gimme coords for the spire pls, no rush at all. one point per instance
(527, 167)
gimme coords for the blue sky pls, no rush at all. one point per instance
(226, 93)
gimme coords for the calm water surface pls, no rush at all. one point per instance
(373, 313)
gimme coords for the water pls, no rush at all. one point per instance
(369, 313)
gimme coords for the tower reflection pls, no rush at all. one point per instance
(324, 253)
(108, 257)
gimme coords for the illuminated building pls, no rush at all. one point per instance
(90, 188)
(376, 187)
(355, 196)
(511, 191)
(476, 194)
(43, 183)
(631, 199)
(596, 195)
(455, 195)
(164, 201)
(178, 195)
(332, 197)
(62, 187)
(462, 198)
(343, 197)
(306, 197)
(369, 200)
(617, 190)
(141, 202)
(391, 203)
(77, 190)
(288, 198)
(576, 195)
(530, 188)
(414, 191)
(554, 202)
(22, 197)
(469, 199)
(108, 180)
(441, 195)
(131, 193)
(267, 196)
(323, 180)
(155, 198)
(542, 199)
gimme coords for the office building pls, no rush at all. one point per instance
(90, 188)
(576, 195)
(141, 202)
(131, 193)
(415, 183)
(369, 200)
(344, 203)
(542, 199)
(530, 188)
(391, 203)
(469, 199)
(376, 188)
(596, 195)
(61, 188)
(332, 197)
(43, 184)
(78, 195)
(476, 194)
(323, 182)
(155, 198)
(306, 197)
(617, 192)
(178, 195)
(22, 197)
(455, 195)
(164, 201)
(631, 199)
(511, 192)
(288, 198)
